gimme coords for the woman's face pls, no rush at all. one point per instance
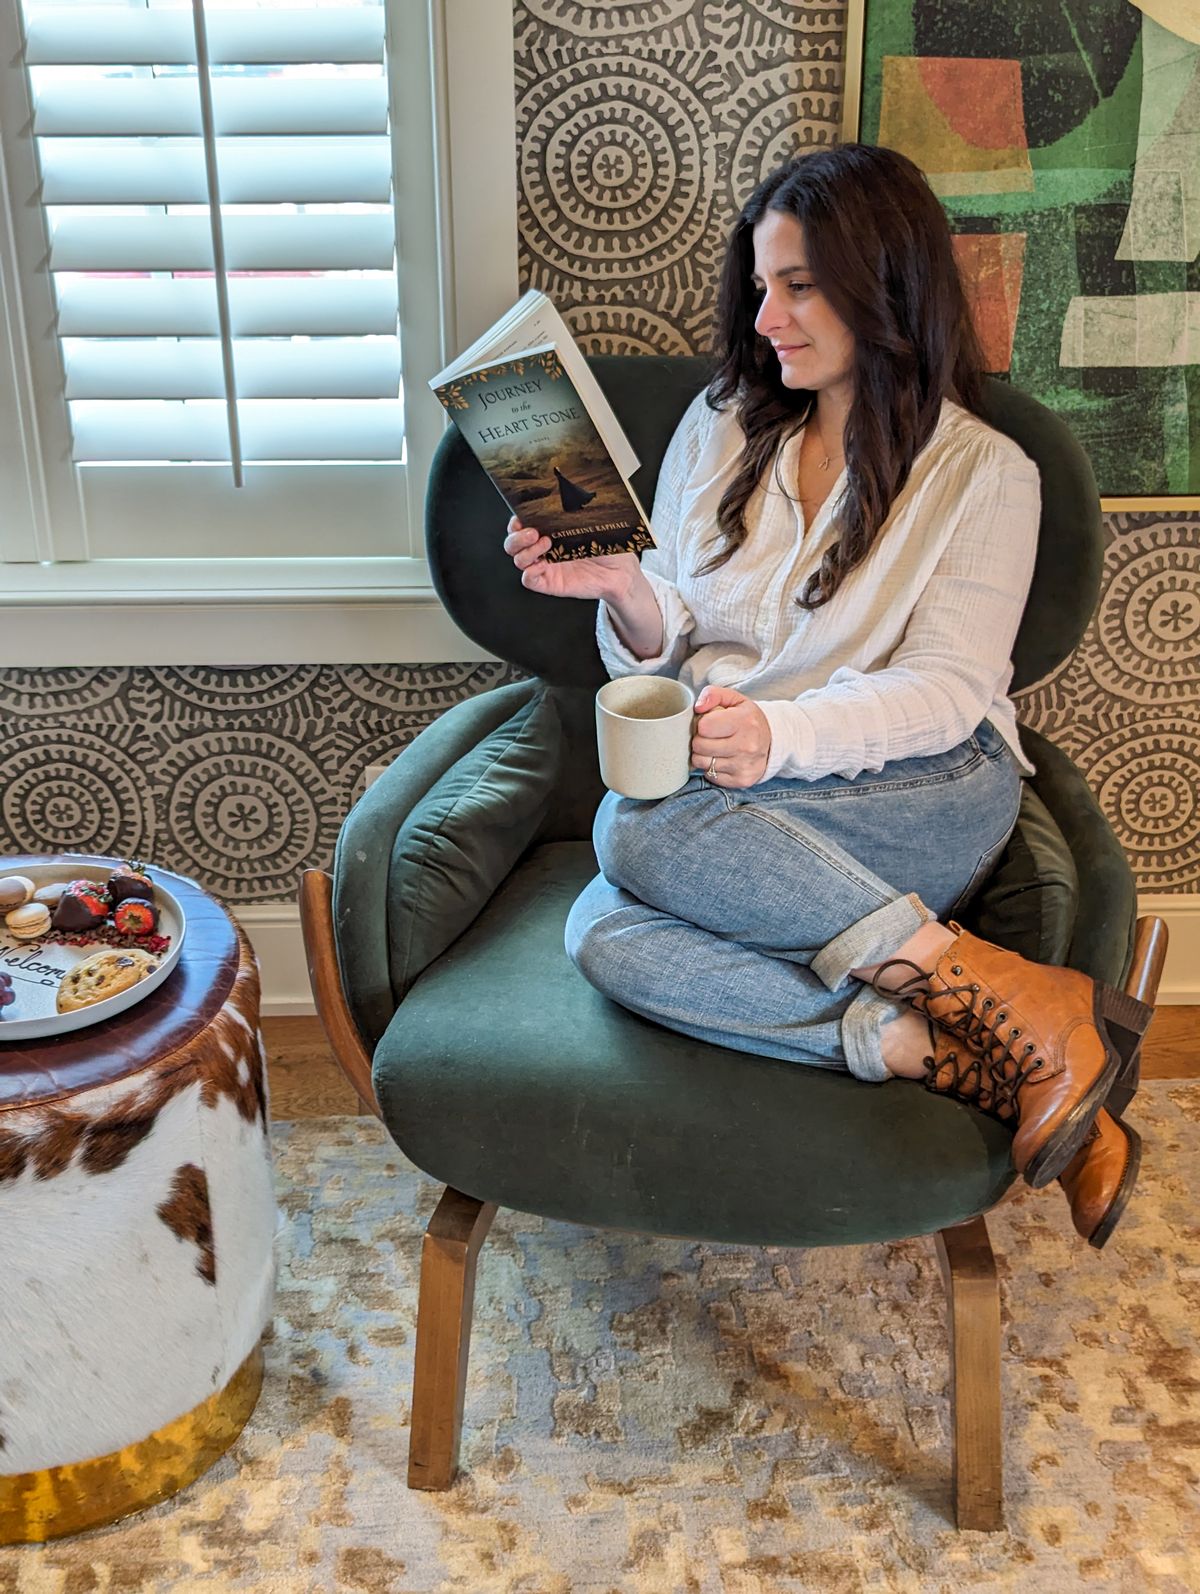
(814, 347)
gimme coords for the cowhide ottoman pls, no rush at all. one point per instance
(137, 1216)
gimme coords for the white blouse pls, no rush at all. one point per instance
(914, 649)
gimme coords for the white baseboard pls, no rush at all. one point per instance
(1181, 974)
(274, 930)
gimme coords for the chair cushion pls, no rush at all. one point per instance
(1106, 917)
(362, 860)
(507, 1076)
(1029, 901)
(465, 835)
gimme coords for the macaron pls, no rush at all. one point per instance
(15, 889)
(50, 894)
(28, 922)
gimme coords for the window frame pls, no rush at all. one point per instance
(319, 610)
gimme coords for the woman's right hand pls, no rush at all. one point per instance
(605, 576)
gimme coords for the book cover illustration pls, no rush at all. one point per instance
(531, 432)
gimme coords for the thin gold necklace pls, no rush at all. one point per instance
(822, 464)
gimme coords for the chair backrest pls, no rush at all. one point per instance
(555, 638)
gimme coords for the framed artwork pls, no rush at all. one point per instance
(1064, 142)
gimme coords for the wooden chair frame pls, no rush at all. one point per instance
(460, 1224)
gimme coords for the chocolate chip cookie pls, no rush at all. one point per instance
(102, 975)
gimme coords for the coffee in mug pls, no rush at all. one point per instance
(644, 734)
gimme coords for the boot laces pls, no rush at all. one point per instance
(978, 1026)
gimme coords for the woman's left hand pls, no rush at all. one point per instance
(732, 729)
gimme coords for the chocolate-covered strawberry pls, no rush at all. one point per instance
(130, 880)
(135, 917)
(7, 994)
(82, 906)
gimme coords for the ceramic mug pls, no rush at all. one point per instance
(644, 733)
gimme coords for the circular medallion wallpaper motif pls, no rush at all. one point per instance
(1147, 778)
(247, 811)
(63, 789)
(1147, 643)
(616, 169)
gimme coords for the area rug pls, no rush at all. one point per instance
(662, 1417)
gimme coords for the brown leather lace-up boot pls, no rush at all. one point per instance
(1053, 1040)
(1100, 1177)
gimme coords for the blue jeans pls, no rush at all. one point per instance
(736, 916)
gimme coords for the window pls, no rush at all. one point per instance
(207, 299)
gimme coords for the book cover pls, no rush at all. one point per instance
(528, 427)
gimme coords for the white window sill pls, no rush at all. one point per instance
(236, 612)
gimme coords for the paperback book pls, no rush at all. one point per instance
(535, 418)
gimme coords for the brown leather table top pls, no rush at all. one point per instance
(194, 992)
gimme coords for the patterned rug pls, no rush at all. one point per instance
(656, 1415)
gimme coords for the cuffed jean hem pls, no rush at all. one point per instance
(870, 939)
(861, 1043)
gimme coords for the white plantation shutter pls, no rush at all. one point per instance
(217, 200)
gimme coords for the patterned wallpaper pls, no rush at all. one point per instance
(641, 126)
(239, 778)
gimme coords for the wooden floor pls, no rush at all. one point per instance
(307, 1083)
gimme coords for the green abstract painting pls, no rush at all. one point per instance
(1064, 142)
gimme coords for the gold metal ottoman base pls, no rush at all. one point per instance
(36, 1506)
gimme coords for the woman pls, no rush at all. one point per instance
(844, 553)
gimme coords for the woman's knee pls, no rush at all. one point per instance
(588, 937)
(645, 846)
(615, 829)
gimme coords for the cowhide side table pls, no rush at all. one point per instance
(137, 1216)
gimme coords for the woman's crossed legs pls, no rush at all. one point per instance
(740, 917)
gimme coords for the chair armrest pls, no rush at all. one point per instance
(324, 976)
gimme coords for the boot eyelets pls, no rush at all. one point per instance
(1015, 1032)
(956, 969)
(987, 1001)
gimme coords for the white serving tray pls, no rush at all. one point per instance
(37, 966)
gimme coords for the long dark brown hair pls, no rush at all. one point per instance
(878, 247)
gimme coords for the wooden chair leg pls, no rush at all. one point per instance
(973, 1298)
(451, 1246)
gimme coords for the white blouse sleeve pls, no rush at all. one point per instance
(659, 564)
(956, 650)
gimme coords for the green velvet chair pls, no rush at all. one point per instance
(437, 962)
